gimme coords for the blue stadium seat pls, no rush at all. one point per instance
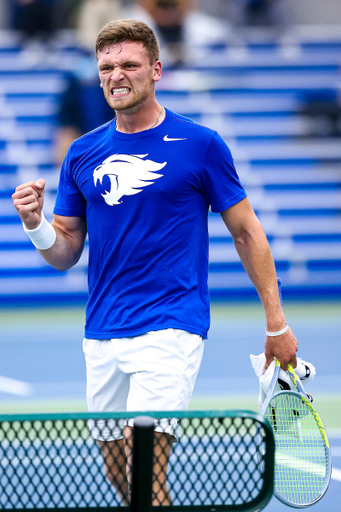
(256, 98)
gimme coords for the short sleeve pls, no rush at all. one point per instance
(220, 179)
(70, 202)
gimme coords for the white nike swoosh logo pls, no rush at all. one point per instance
(169, 139)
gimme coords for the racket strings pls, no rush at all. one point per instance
(301, 464)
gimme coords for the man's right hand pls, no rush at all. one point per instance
(28, 200)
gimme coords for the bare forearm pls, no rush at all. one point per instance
(65, 252)
(254, 252)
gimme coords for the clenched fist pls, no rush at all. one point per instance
(28, 200)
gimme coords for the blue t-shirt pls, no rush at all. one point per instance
(146, 198)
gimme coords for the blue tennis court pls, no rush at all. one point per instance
(42, 366)
(42, 351)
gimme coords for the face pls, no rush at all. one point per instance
(127, 77)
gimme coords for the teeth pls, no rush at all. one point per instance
(122, 90)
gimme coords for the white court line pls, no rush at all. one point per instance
(15, 387)
(336, 474)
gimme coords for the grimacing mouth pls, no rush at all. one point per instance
(119, 90)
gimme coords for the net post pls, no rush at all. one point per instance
(142, 465)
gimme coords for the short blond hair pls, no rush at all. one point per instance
(118, 31)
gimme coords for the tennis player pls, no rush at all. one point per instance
(141, 187)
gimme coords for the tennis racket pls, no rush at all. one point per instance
(302, 453)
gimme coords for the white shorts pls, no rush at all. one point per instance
(155, 371)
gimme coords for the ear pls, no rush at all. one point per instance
(157, 71)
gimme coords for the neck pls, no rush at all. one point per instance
(140, 121)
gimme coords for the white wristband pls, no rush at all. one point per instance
(278, 333)
(44, 236)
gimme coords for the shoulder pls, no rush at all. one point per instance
(84, 149)
(90, 140)
(202, 136)
(207, 139)
(190, 125)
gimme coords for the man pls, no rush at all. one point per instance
(141, 186)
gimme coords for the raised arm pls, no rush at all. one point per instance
(65, 237)
(254, 251)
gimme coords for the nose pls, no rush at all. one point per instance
(116, 74)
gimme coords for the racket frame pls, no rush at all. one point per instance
(301, 394)
(300, 389)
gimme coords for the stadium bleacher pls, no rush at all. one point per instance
(255, 97)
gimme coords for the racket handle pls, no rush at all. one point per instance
(296, 381)
(271, 388)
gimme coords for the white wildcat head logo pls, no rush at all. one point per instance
(128, 175)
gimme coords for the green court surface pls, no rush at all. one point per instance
(328, 406)
(241, 311)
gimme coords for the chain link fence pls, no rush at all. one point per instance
(220, 460)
